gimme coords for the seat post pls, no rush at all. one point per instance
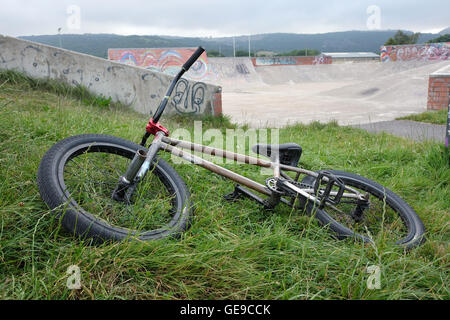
(275, 197)
(275, 159)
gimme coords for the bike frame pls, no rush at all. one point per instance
(175, 147)
(141, 163)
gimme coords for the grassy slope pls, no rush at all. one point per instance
(434, 117)
(233, 250)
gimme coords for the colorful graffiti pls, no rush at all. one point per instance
(420, 52)
(290, 61)
(168, 61)
(322, 59)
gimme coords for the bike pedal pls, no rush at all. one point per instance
(119, 192)
(235, 195)
(330, 180)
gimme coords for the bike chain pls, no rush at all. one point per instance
(272, 184)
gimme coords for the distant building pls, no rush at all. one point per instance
(351, 57)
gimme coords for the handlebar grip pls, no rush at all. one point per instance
(193, 58)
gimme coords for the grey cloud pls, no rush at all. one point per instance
(24, 17)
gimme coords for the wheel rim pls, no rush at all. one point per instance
(88, 174)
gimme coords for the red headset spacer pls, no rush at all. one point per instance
(153, 128)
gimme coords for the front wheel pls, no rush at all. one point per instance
(387, 216)
(78, 175)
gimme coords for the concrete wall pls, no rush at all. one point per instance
(136, 87)
(355, 60)
(291, 61)
(439, 89)
(416, 52)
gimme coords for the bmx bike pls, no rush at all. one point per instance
(110, 189)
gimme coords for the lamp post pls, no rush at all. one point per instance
(234, 47)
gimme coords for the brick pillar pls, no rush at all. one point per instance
(217, 103)
(438, 92)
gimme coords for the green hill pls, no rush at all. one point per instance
(349, 41)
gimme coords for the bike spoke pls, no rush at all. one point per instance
(92, 177)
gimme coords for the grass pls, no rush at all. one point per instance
(52, 86)
(233, 250)
(433, 117)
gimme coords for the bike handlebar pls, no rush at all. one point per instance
(193, 58)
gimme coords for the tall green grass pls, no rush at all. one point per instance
(233, 250)
(79, 92)
(433, 117)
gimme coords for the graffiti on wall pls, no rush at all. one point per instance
(273, 61)
(227, 69)
(420, 52)
(168, 61)
(290, 61)
(242, 69)
(322, 59)
(188, 98)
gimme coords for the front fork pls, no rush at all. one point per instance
(137, 170)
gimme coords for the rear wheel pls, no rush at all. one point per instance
(78, 175)
(387, 216)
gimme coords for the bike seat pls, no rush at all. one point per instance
(290, 153)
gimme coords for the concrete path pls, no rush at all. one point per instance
(418, 131)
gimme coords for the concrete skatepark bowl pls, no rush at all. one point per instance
(353, 93)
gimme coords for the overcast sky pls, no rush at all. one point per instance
(219, 18)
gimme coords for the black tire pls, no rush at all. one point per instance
(409, 234)
(67, 195)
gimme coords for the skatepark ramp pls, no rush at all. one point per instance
(233, 72)
(351, 93)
